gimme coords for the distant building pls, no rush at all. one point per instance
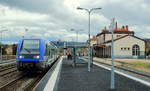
(126, 44)
(9, 50)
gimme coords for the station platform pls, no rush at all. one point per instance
(78, 78)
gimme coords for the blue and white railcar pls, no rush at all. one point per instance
(35, 54)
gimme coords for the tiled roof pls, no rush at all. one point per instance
(122, 30)
(124, 37)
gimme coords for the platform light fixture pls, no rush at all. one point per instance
(89, 13)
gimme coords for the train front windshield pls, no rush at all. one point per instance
(30, 47)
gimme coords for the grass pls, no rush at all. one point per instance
(142, 65)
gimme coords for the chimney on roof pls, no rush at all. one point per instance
(123, 28)
(127, 27)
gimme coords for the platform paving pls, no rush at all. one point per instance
(79, 79)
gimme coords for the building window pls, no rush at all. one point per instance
(124, 48)
(128, 48)
(121, 48)
(118, 36)
(135, 50)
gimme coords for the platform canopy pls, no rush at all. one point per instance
(77, 46)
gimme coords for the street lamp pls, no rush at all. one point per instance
(112, 28)
(1, 42)
(89, 12)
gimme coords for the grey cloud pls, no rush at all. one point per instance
(62, 18)
(125, 13)
(59, 14)
(41, 6)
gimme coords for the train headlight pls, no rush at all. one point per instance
(36, 56)
(21, 56)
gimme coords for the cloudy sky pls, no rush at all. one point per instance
(54, 19)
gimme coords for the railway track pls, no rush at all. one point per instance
(5, 72)
(8, 78)
(7, 67)
(19, 81)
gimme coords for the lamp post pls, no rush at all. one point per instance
(89, 13)
(111, 28)
(1, 43)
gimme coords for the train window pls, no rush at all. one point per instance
(30, 46)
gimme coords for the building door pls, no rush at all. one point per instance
(135, 51)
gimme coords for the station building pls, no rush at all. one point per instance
(126, 44)
(93, 41)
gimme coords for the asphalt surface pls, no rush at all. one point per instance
(79, 79)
